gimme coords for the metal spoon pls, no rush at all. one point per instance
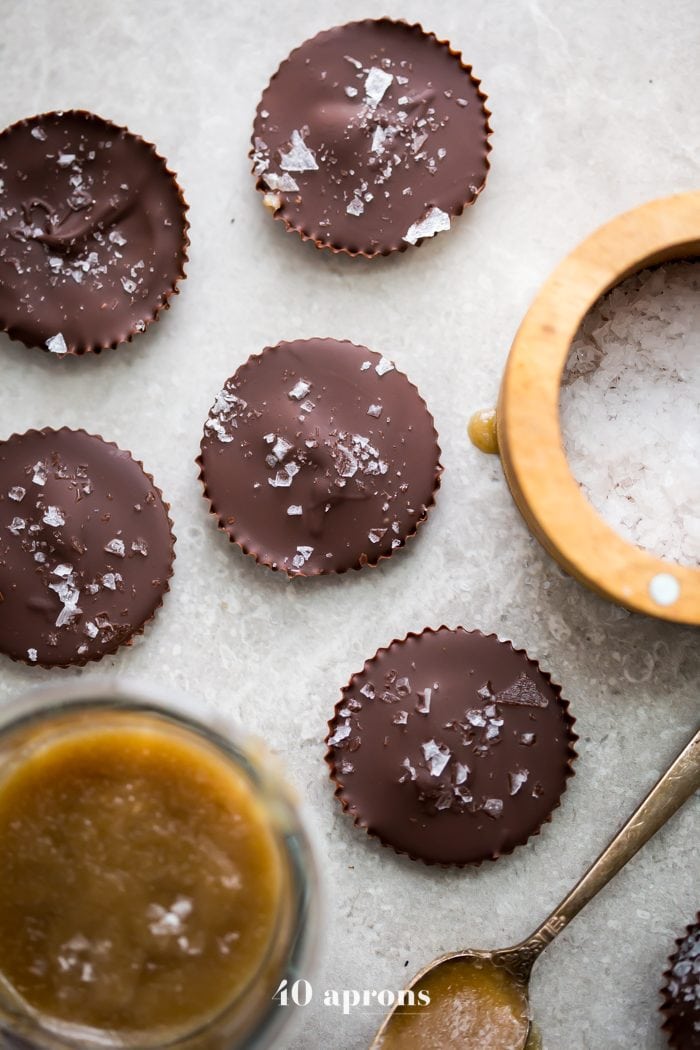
(677, 784)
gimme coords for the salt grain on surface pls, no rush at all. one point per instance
(630, 410)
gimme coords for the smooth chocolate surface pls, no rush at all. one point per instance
(86, 548)
(370, 137)
(319, 456)
(682, 992)
(451, 746)
(92, 233)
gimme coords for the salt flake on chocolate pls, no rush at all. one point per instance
(300, 390)
(410, 770)
(54, 517)
(69, 596)
(285, 182)
(17, 493)
(462, 771)
(355, 207)
(376, 85)
(302, 556)
(341, 733)
(423, 707)
(383, 366)
(493, 807)
(434, 221)
(517, 779)
(116, 546)
(56, 344)
(299, 157)
(437, 756)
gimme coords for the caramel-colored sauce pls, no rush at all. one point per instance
(473, 1006)
(534, 1040)
(140, 884)
(482, 431)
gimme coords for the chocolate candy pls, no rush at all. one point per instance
(86, 547)
(370, 137)
(318, 456)
(682, 992)
(451, 746)
(93, 233)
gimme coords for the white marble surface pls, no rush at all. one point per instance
(595, 110)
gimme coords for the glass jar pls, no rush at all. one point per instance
(253, 1018)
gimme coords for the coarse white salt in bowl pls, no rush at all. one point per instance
(629, 410)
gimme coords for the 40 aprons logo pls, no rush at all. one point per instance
(300, 993)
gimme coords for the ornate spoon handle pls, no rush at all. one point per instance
(677, 784)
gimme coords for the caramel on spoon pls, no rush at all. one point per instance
(479, 999)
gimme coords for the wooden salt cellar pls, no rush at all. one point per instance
(529, 435)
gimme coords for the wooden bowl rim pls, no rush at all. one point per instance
(529, 434)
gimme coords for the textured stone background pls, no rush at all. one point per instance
(595, 110)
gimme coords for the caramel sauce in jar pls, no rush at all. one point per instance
(144, 889)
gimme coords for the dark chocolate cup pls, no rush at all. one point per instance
(124, 332)
(251, 549)
(80, 660)
(682, 1016)
(334, 756)
(461, 200)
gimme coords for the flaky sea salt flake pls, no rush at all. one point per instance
(423, 706)
(517, 779)
(300, 390)
(355, 207)
(54, 517)
(285, 183)
(383, 366)
(376, 85)
(462, 771)
(341, 733)
(437, 756)
(299, 157)
(56, 344)
(116, 546)
(434, 221)
(409, 769)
